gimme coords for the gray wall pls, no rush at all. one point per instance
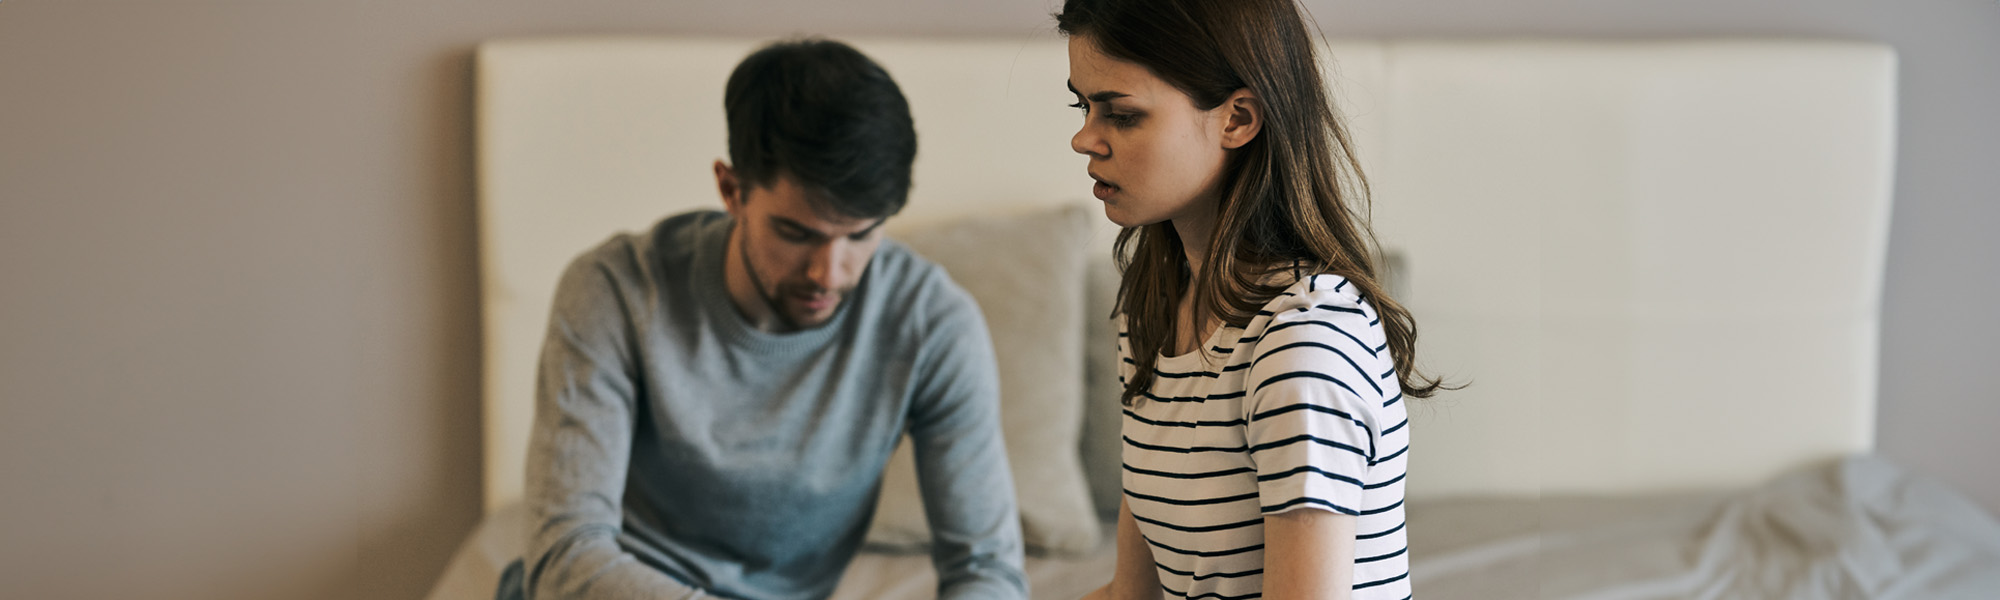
(238, 330)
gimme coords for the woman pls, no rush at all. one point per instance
(1265, 369)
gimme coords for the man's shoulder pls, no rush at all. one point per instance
(903, 270)
(669, 243)
(916, 291)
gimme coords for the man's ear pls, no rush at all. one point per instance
(1242, 118)
(730, 189)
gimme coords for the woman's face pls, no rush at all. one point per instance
(1155, 156)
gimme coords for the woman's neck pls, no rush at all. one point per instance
(1194, 230)
(1191, 324)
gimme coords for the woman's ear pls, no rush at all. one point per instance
(1242, 118)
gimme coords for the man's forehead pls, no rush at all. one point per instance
(799, 205)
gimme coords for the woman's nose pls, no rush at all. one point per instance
(1087, 142)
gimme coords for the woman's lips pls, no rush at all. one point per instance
(1102, 189)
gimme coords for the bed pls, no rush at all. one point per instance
(1657, 263)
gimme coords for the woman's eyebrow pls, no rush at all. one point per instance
(1104, 96)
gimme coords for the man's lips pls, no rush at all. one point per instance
(815, 302)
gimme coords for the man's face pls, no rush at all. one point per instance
(800, 260)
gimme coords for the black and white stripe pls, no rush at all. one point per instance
(1299, 410)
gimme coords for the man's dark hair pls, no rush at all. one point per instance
(824, 114)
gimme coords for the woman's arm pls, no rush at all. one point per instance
(1308, 554)
(1134, 577)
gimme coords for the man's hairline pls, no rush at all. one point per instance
(817, 199)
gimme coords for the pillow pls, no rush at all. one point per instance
(1026, 272)
(1103, 444)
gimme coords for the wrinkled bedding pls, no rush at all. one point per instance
(893, 576)
(1861, 528)
(874, 575)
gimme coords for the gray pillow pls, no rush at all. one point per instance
(1103, 413)
(1027, 274)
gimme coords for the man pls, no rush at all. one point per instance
(717, 396)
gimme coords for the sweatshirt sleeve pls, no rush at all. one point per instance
(580, 447)
(961, 457)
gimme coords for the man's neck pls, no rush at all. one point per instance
(746, 293)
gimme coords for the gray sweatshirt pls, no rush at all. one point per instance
(678, 452)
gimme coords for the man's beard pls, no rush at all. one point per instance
(780, 291)
(757, 282)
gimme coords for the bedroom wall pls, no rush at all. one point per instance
(238, 346)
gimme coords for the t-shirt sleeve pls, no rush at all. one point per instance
(1309, 426)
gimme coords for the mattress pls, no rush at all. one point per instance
(1858, 528)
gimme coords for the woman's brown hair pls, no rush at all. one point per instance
(1294, 195)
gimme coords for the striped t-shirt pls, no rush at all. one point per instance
(1301, 409)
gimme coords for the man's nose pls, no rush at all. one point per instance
(823, 268)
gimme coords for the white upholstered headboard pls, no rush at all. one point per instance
(1657, 263)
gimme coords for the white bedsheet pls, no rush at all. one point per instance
(1860, 528)
(886, 576)
(475, 570)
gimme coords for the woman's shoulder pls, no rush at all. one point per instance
(1324, 295)
(1325, 308)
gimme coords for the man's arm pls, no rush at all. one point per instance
(962, 459)
(585, 399)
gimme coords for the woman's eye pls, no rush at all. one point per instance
(1082, 106)
(1122, 119)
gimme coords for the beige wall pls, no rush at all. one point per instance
(238, 339)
